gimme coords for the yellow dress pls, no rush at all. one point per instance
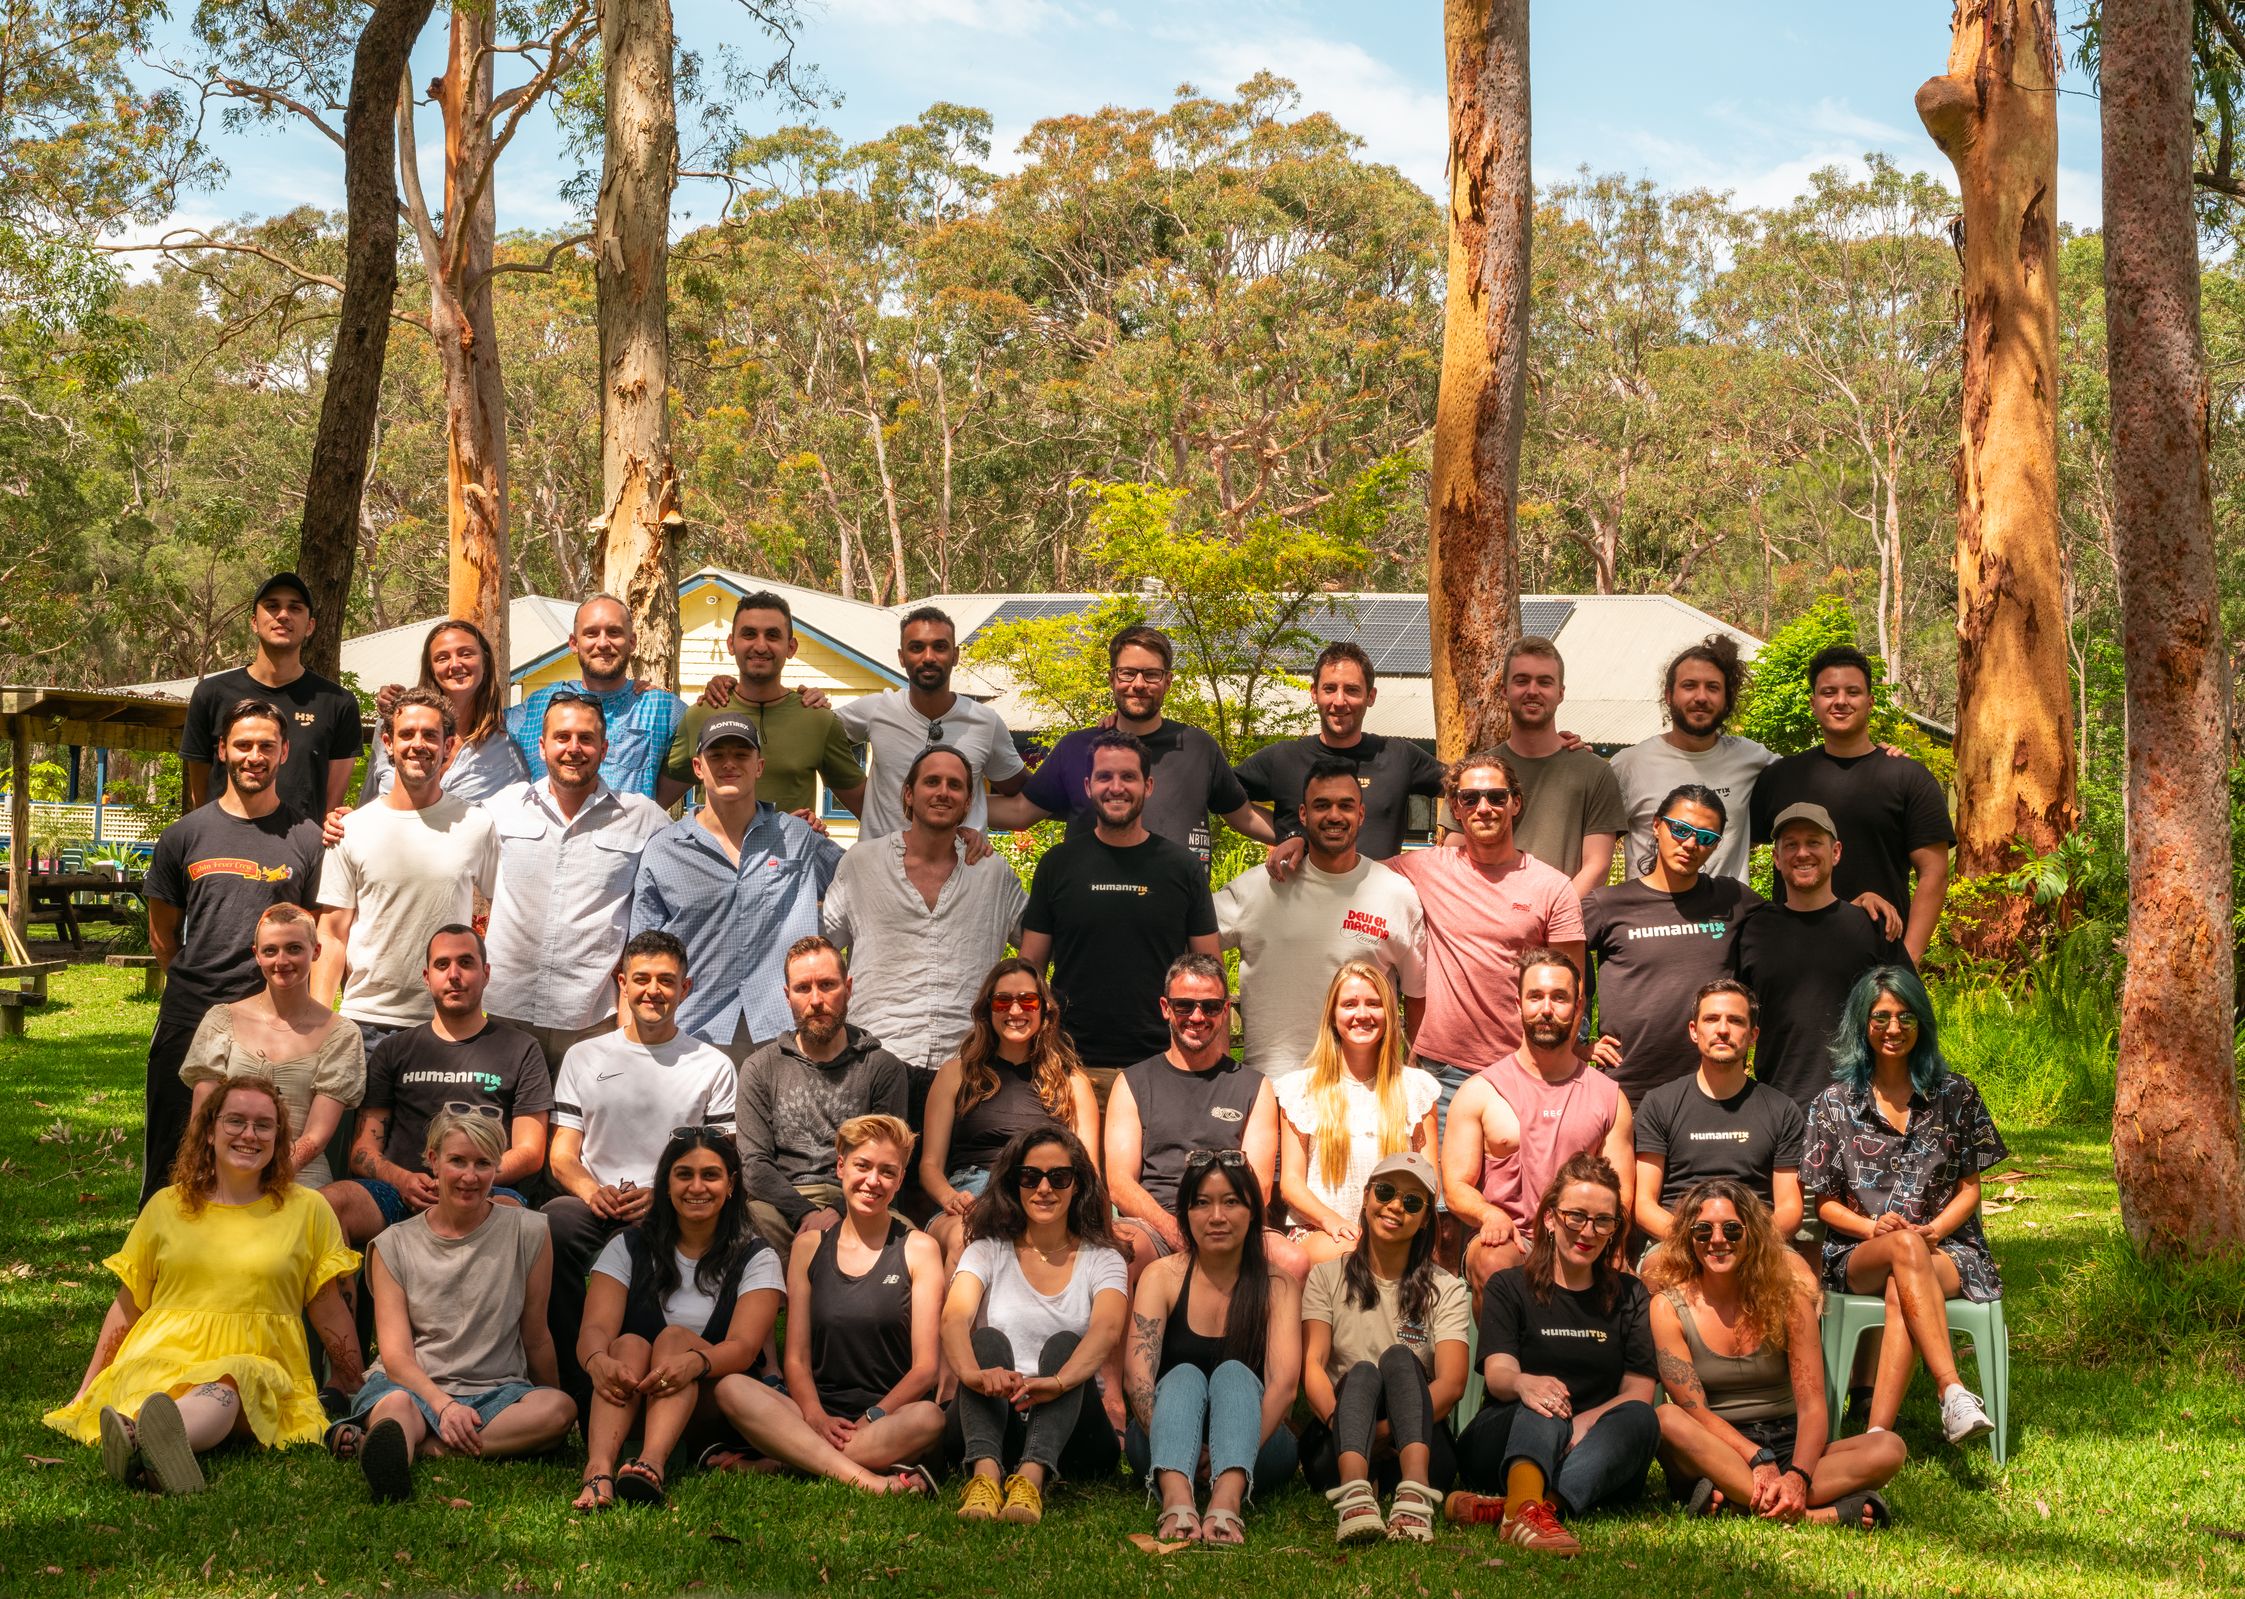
(221, 1295)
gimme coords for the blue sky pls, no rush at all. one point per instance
(1747, 96)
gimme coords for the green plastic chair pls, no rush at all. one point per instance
(1847, 1317)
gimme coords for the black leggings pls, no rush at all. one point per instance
(1067, 1436)
(1394, 1391)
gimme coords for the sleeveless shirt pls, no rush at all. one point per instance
(861, 1327)
(977, 1135)
(1755, 1387)
(1181, 1111)
(1557, 1121)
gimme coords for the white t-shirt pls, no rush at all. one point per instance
(898, 733)
(625, 1097)
(1650, 771)
(1293, 936)
(403, 875)
(1361, 1109)
(1029, 1318)
(687, 1305)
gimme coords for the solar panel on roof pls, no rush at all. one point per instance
(1543, 617)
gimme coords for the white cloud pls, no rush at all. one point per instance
(1011, 17)
(1401, 124)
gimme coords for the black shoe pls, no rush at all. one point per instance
(387, 1460)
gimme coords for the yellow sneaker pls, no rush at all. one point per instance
(981, 1500)
(1024, 1506)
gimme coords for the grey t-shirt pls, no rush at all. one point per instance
(1565, 796)
(463, 1296)
(1651, 771)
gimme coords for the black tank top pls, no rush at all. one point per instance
(1182, 1111)
(979, 1134)
(1180, 1345)
(861, 1327)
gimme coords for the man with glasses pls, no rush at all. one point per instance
(1110, 911)
(1484, 902)
(569, 850)
(1657, 939)
(459, 1059)
(795, 1093)
(901, 722)
(1521, 1119)
(616, 1102)
(1192, 780)
(641, 718)
(1719, 1122)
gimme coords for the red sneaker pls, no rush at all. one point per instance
(1535, 1527)
(1468, 1509)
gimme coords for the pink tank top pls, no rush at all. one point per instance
(1557, 1120)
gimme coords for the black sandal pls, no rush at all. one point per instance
(1848, 1510)
(344, 1438)
(602, 1498)
(387, 1460)
(638, 1483)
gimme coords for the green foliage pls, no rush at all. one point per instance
(1774, 709)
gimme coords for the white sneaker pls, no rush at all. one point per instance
(1963, 1417)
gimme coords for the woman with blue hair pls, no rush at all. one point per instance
(1892, 1162)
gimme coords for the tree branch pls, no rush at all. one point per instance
(479, 279)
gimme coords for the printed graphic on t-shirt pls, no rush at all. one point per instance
(1737, 1135)
(1139, 889)
(236, 866)
(489, 1082)
(1365, 924)
(1594, 1334)
(1713, 929)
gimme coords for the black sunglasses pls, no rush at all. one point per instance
(1469, 799)
(935, 732)
(704, 1127)
(1386, 1193)
(1704, 1231)
(1202, 1159)
(1057, 1178)
(1197, 1007)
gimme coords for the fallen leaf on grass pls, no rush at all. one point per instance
(2226, 1534)
(2042, 1509)
(16, 1270)
(459, 1504)
(44, 1460)
(54, 1571)
(209, 1561)
(1147, 1544)
(714, 1535)
(100, 1526)
(2011, 1176)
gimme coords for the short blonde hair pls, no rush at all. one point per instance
(479, 1130)
(859, 1131)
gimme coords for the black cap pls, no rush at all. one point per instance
(285, 580)
(728, 724)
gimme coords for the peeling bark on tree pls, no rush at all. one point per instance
(2176, 1139)
(1473, 571)
(1994, 114)
(335, 486)
(639, 517)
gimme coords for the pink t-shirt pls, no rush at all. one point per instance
(1477, 923)
(1557, 1122)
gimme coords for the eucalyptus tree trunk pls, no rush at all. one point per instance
(1473, 558)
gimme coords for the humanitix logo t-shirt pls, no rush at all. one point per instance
(1652, 953)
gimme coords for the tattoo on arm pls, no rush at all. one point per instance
(1145, 1347)
(1681, 1381)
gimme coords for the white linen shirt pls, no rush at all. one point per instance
(562, 907)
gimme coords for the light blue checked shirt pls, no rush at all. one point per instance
(736, 922)
(640, 727)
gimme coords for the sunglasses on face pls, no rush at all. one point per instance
(1685, 833)
(1472, 799)
(1576, 1221)
(1386, 1193)
(1022, 1002)
(1196, 1007)
(1057, 1178)
(1904, 1022)
(1704, 1231)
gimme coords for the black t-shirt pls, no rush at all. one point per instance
(1388, 770)
(1117, 918)
(1191, 780)
(1654, 952)
(414, 1074)
(1746, 1137)
(1181, 1111)
(326, 729)
(222, 872)
(1801, 965)
(1884, 806)
(1568, 1336)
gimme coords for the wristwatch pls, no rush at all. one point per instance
(1764, 1456)
(873, 1413)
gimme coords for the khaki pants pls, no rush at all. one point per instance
(778, 1231)
(555, 1042)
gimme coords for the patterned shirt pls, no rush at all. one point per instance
(640, 727)
(1853, 1154)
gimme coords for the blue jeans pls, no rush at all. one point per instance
(969, 1179)
(1452, 1078)
(392, 1204)
(486, 1405)
(1606, 1468)
(1226, 1408)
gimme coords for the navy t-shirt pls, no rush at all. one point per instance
(1191, 780)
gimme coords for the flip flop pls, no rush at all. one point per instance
(120, 1455)
(602, 1498)
(1702, 1498)
(922, 1480)
(1226, 1521)
(638, 1483)
(1184, 1518)
(164, 1448)
(387, 1460)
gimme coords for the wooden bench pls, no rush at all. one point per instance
(151, 972)
(30, 991)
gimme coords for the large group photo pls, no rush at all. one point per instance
(1184, 860)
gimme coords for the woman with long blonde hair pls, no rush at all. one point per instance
(1354, 1103)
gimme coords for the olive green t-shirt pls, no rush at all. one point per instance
(1565, 796)
(800, 745)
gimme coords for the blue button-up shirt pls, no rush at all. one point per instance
(736, 921)
(640, 728)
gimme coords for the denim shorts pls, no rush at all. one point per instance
(392, 1204)
(486, 1405)
(969, 1179)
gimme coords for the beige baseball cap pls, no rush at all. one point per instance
(1814, 815)
(1407, 1163)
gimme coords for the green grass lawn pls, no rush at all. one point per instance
(2124, 1477)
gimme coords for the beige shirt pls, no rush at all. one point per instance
(336, 1068)
(1361, 1334)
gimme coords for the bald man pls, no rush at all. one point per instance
(641, 720)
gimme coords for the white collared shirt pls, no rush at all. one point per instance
(562, 907)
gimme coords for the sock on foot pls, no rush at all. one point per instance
(1523, 1483)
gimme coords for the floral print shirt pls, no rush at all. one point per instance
(1853, 1154)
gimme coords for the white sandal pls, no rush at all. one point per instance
(1412, 1519)
(1359, 1509)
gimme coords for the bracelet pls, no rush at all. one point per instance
(705, 1360)
(1795, 1471)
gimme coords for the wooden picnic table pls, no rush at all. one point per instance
(52, 898)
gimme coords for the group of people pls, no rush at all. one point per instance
(556, 1102)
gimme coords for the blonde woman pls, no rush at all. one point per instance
(1354, 1104)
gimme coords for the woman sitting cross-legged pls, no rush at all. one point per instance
(1735, 1332)
(1215, 1353)
(1015, 1070)
(863, 1296)
(467, 1363)
(1892, 1161)
(1383, 1361)
(1567, 1352)
(672, 1307)
(205, 1341)
(1036, 1308)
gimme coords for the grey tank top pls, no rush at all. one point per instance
(1182, 1111)
(1755, 1387)
(464, 1296)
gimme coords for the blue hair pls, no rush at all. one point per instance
(1851, 1047)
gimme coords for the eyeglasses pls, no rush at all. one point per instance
(1472, 799)
(234, 1126)
(1022, 1002)
(1196, 1007)
(1386, 1193)
(1685, 833)
(1057, 1178)
(710, 1128)
(1703, 1231)
(1576, 1221)
(1893, 1022)
(460, 1107)
(1140, 674)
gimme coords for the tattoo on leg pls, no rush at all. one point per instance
(218, 1394)
(1678, 1376)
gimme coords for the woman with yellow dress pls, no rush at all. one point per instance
(204, 1342)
